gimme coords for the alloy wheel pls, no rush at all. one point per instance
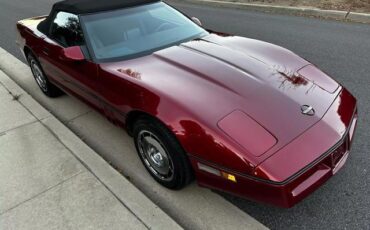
(155, 156)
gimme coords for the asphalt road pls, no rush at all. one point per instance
(341, 49)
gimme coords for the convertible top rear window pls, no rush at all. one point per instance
(138, 31)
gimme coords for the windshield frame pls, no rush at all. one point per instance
(139, 54)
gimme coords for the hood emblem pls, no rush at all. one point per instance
(307, 110)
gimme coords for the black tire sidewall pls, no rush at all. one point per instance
(30, 59)
(51, 90)
(182, 172)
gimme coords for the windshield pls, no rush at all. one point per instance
(138, 31)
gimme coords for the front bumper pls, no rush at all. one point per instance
(287, 188)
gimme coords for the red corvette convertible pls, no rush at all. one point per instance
(240, 115)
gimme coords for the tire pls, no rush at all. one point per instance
(48, 88)
(167, 152)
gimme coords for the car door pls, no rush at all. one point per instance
(76, 77)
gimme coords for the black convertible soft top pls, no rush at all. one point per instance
(92, 6)
(88, 6)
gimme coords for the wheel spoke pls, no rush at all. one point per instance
(155, 156)
(39, 76)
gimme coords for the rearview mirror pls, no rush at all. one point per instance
(73, 53)
(196, 21)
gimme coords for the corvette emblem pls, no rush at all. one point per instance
(307, 110)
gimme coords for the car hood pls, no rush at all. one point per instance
(215, 76)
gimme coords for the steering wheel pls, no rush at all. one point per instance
(163, 26)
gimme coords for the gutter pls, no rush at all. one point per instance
(299, 11)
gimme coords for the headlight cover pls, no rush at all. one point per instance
(247, 132)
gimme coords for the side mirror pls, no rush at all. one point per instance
(196, 21)
(72, 53)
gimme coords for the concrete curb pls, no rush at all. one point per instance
(193, 207)
(301, 11)
(132, 198)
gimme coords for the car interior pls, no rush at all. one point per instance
(120, 34)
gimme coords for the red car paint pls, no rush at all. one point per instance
(193, 87)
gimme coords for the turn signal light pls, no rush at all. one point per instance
(217, 172)
(228, 176)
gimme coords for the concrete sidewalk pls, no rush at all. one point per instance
(192, 208)
(45, 185)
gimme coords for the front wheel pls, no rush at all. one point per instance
(161, 154)
(42, 81)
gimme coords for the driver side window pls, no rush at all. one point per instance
(66, 30)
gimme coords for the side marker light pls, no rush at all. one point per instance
(217, 172)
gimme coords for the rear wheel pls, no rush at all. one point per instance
(42, 81)
(161, 154)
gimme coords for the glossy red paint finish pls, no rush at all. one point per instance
(314, 142)
(195, 97)
(192, 87)
(73, 53)
(236, 125)
(306, 166)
